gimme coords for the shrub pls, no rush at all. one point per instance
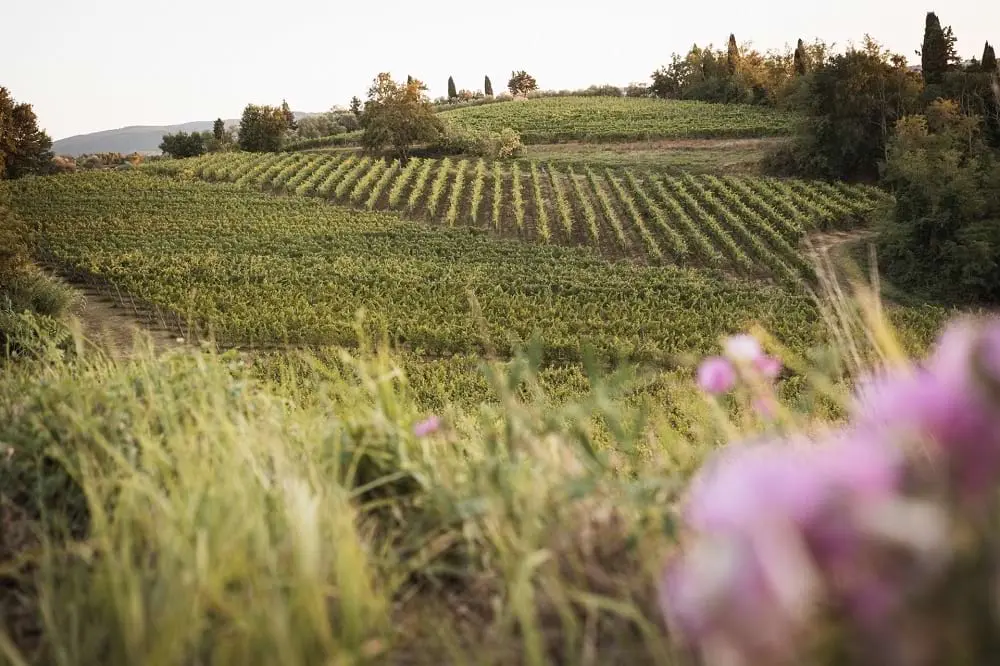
(502, 145)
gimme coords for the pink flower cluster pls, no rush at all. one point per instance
(718, 374)
(779, 532)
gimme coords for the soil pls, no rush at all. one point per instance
(113, 328)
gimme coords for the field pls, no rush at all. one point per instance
(748, 226)
(608, 119)
(425, 413)
(717, 156)
(254, 268)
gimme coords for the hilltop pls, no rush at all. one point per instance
(135, 138)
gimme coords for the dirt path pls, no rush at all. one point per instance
(834, 243)
(114, 328)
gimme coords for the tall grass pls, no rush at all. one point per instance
(182, 509)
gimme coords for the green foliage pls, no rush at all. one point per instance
(938, 55)
(182, 144)
(735, 75)
(452, 92)
(614, 118)
(263, 128)
(942, 236)
(398, 116)
(521, 83)
(356, 107)
(756, 222)
(488, 87)
(263, 269)
(732, 56)
(989, 62)
(219, 130)
(801, 59)
(24, 148)
(852, 103)
(457, 140)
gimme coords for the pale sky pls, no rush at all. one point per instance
(89, 65)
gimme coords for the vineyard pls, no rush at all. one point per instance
(749, 226)
(255, 268)
(608, 119)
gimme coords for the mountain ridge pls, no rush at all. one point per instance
(135, 138)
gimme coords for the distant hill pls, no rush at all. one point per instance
(134, 139)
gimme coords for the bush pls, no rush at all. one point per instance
(503, 145)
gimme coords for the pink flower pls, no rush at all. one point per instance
(716, 375)
(947, 403)
(752, 594)
(743, 348)
(768, 366)
(428, 426)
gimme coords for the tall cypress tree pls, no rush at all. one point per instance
(488, 87)
(989, 59)
(219, 129)
(409, 79)
(934, 53)
(801, 60)
(452, 91)
(733, 55)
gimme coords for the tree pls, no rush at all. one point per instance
(801, 59)
(182, 144)
(521, 83)
(356, 107)
(24, 148)
(452, 92)
(219, 130)
(286, 111)
(409, 79)
(398, 116)
(989, 63)
(852, 103)
(488, 87)
(732, 56)
(941, 237)
(938, 53)
(262, 128)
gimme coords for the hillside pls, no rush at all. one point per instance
(610, 119)
(134, 139)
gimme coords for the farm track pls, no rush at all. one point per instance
(110, 324)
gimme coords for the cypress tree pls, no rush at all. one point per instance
(409, 79)
(934, 54)
(452, 92)
(488, 87)
(219, 130)
(733, 55)
(989, 59)
(801, 59)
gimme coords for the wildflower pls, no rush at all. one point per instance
(947, 403)
(427, 427)
(708, 594)
(768, 366)
(716, 375)
(765, 405)
(743, 348)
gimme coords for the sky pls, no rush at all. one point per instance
(90, 65)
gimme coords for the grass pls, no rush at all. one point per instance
(194, 507)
